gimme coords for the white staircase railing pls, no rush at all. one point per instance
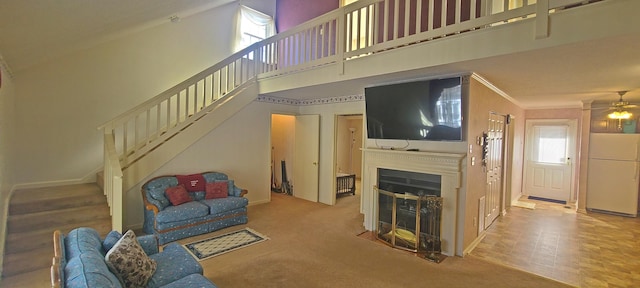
(360, 29)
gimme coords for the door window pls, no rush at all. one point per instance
(551, 144)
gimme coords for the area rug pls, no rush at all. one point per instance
(224, 243)
(527, 205)
(547, 200)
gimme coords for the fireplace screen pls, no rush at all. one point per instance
(410, 222)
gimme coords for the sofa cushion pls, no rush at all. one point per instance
(215, 176)
(181, 212)
(128, 260)
(193, 182)
(81, 240)
(149, 244)
(178, 195)
(221, 205)
(111, 239)
(154, 190)
(89, 270)
(173, 263)
(193, 280)
(218, 189)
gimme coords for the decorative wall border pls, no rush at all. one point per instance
(308, 102)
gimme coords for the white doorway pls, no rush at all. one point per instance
(550, 149)
(295, 143)
(348, 137)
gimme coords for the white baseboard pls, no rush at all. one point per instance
(89, 178)
(474, 244)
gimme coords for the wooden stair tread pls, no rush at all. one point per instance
(58, 192)
(42, 205)
(40, 220)
(33, 216)
(27, 261)
(25, 241)
(36, 279)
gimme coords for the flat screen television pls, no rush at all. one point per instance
(423, 110)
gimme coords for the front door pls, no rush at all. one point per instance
(307, 152)
(549, 149)
(493, 157)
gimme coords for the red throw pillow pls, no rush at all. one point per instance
(178, 195)
(216, 190)
(193, 182)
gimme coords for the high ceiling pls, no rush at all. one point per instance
(32, 31)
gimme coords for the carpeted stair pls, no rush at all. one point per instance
(33, 216)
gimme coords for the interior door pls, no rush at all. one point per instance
(494, 160)
(306, 155)
(549, 149)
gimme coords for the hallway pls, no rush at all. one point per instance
(585, 250)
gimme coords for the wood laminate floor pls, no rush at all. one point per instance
(553, 240)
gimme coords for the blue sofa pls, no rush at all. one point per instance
(79, 261)
(169, 223)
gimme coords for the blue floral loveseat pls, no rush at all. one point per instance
(81, 259)
(211, 202)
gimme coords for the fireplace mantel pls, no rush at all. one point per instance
(448, 165)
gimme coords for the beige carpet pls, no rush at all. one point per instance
(315, 245)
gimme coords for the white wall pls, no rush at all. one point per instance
(63, 102)
(7, 102)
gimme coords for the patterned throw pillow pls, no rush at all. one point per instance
(193, 182)
(129, 262)
(218, 189)
(178, 195)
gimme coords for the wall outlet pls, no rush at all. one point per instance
(475, 221)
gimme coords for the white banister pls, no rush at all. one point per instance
(113, 183)
(359, 29)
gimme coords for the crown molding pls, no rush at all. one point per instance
(493, 88)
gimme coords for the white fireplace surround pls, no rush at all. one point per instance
(448, 165)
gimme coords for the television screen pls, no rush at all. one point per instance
(422, 110)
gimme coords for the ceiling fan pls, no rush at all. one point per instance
(619, 107)
(619, 110)
(621, 104)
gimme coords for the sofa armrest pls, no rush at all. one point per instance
(151, 207)
(149, 244)
(56, 272)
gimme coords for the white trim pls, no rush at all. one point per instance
(89, 178)
(474, 244)
(489, 85)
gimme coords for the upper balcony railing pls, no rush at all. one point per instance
(360, 29)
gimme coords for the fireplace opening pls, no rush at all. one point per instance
(410, 211)
(419, 184)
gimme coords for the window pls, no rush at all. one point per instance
(253, 27)
(347, 2)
